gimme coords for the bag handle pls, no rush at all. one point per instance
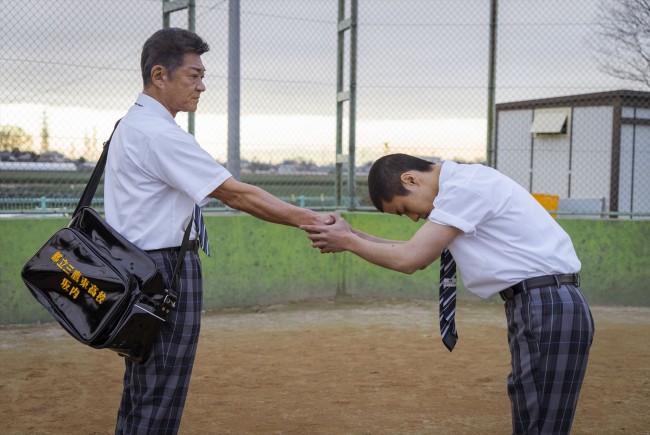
(89, 193)
(180, 259)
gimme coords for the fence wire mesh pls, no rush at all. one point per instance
(572, 117)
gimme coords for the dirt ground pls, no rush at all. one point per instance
(328, 367)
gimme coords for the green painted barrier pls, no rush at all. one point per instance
(257, 263)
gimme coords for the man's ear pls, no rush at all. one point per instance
(158, 76)
(410, 179)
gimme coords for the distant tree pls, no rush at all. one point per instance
(258, 166)
(90, 142)
(13, 137)
(622, 39)
(45, 134)
(25, 156)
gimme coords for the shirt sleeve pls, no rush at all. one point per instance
(461, 207)
(178, 160)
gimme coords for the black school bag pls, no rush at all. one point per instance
(103, 290)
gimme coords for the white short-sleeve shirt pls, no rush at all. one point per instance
(507, 235)
(155, 173)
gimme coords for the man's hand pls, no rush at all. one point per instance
(318, 219)
(333, 236)
(323, 219)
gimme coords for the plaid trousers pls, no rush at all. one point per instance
(550, 331)
(155, 390)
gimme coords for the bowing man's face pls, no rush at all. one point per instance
(417, 203)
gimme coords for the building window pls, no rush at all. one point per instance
(550, 121)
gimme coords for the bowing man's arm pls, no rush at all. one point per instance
(403, 256)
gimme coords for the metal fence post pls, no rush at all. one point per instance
(345, 24)
(168, 7)
(490, 157)
(234, 89)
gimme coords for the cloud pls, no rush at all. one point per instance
(418, 66)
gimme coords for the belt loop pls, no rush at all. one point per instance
(524, 286)
(576, 279)
(557, 281)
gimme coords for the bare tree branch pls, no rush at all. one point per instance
(622, 39)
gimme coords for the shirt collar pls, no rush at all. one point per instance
(150, 103)
(446, 171)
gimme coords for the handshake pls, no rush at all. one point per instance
(331, 234)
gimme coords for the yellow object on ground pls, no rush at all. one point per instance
(549, 202)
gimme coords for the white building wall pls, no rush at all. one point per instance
(551, 163)
(626, 166)
(633, 192)
(635, 112)
(587, 144)
(513, 145)
(577, 166)
(591, 158)
(641, 173)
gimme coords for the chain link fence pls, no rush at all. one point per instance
(571, 124)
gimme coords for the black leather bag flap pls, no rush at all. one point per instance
(75, 283)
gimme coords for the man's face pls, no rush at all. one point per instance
(417, 205)
(183, 89)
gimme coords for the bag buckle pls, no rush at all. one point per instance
(168, 302)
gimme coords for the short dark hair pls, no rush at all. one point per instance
(384, 178)
(167, 47)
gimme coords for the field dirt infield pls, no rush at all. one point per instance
(328, 367)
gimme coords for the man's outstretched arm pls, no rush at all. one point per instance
(261, 204)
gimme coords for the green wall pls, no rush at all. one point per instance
(257, 263)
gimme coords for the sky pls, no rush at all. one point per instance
(422, 70)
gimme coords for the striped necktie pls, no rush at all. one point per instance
(447, 300)
(201, 230)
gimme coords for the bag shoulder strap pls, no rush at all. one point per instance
(91, 187)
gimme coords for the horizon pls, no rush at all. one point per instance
(451, 138)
